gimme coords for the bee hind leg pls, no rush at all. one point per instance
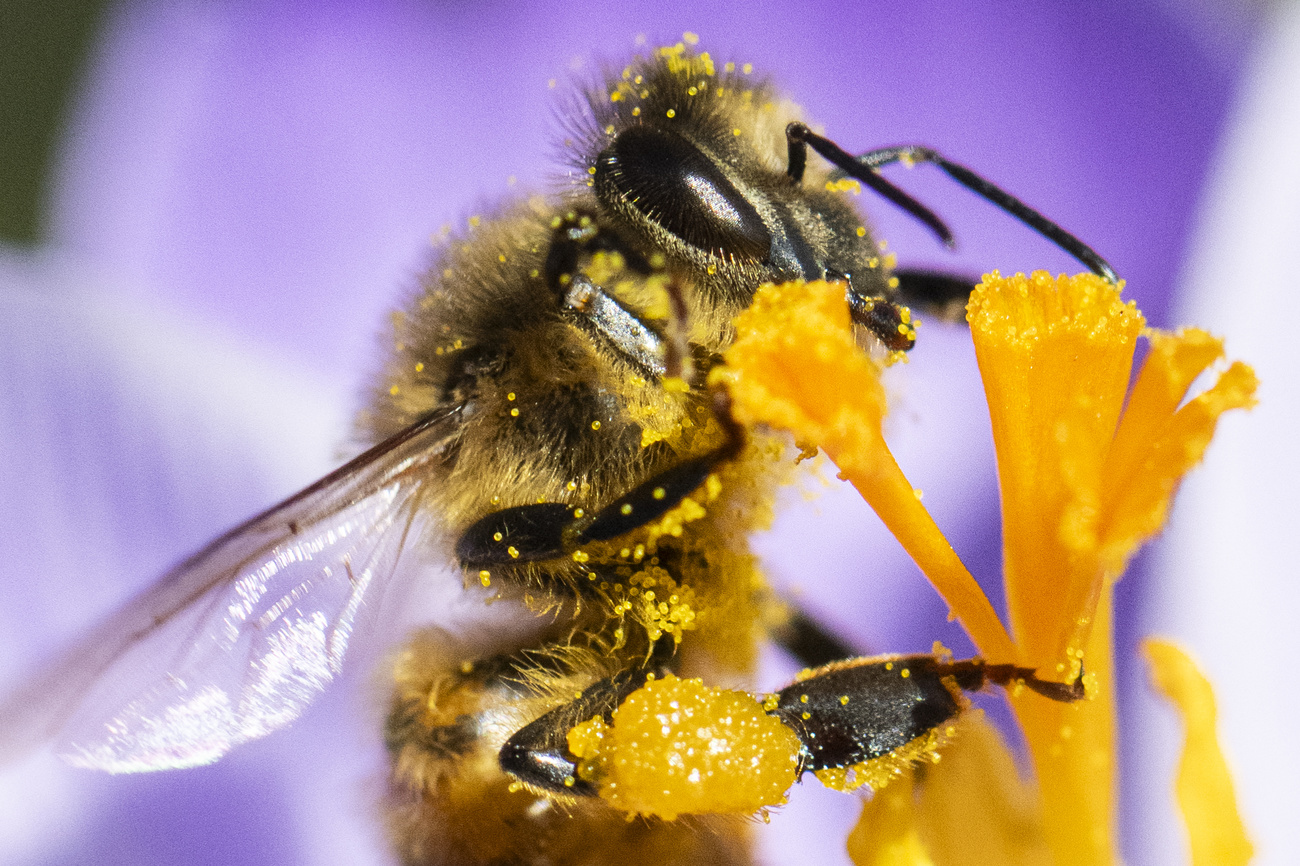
(851, 712)
(808, 641)
(538, 753)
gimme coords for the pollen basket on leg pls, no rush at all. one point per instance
(678, 747)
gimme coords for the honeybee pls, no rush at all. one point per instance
(544, 423)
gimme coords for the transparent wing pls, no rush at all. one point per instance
(234, 642)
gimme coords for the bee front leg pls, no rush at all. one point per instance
(938, 293)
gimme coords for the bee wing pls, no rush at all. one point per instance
(235, 641)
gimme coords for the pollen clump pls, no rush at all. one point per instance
(679, 747)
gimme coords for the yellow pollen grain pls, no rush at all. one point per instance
(636, 112)
(906, 673)
(747, 68)
(513, 551)
(595, 425)
(485, 577)
(625, 509)
(419, 366)
(672, 112)
(659, 493)
(394, 390)
(844, 700)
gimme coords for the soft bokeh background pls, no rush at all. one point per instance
(210, 208)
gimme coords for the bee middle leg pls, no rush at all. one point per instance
(941, 294)
(547, 530)
(808, 641)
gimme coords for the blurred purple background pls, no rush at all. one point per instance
(246, 188)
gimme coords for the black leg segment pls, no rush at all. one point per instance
(799, 137)
(937, 293)
(854, 711)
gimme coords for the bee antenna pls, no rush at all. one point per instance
(992, 193)
(799, 138)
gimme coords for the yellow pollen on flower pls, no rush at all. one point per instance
(1055, 356)
(1159, 439)
(795, 365)
(1085, 480)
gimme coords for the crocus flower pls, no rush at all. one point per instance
(1087, 469)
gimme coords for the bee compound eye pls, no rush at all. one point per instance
(672, 183)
